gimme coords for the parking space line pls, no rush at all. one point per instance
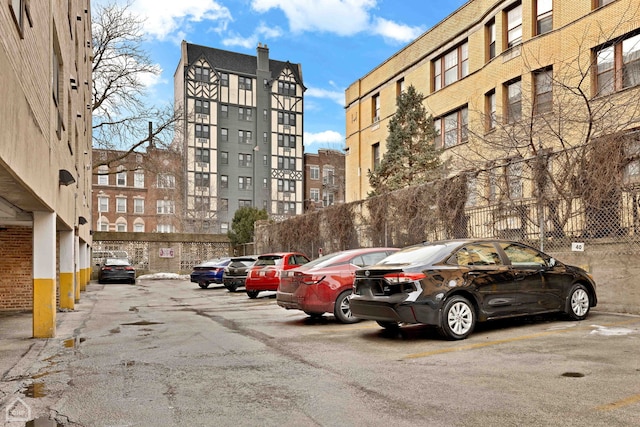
(620, 403)
(507, 340)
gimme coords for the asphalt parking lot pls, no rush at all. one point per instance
(169, 353)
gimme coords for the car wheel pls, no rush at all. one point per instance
(342, 309)
(231, 288)
(390, 326)
(203, 285)
(579, 303)
(253, 294)
(458, 318)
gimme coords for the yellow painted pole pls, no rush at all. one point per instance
(44, 274)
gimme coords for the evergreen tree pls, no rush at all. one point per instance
(411, 157)
(242, 224)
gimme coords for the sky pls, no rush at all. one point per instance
(336, 42)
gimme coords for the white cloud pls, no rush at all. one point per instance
(325, 137)
(394, 31)
(261, 33)
(342, 17)
(336, 96)
(164, 17)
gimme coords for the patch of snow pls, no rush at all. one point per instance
(163, 276)
(603, 330)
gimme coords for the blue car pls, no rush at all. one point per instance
(209, 272)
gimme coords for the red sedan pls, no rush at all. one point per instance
(325, 284)
(265, 273)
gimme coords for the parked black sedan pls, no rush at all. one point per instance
(235, 273)
(116, 270)
(454, 284)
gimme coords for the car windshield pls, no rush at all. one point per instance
(269, 260)
(323, 261)
(418, 254)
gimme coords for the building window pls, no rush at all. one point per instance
(224, 227)
(328, 176)
(224, 134)
(201, 74)
(514, 101)
(600, 3)
(202, 155)
(103, 225)
(224, 158)
(224, 181)
(245, 160)
(244, 203)
(244, 136)
(314, 172)
(138, 179)
(265, 161)
(544, 12)
(103, 204)
(375, 108)
(57, 70)
(490, 110)
(286, 88)
(201, 179)
(165, 207)
(455, 125)
(514, 25)
(491, 39)
(618, 65)
(121, 178)
(514, 180)
(327, 198)
(164, 228)
(286, 163)
(16, 7)
(224, 110)
(202, 106)
(224, 205)
(244, 183)
(399, 87)
(121, 204)
(224, 79)
(121, 226)
(245, 114)
(138, 206)
(543, 86)
(138, 227)
(451, 67)
(265, 183)
(103, 175)
(286, 140)
(288, 119)
(202, 131)
(314, 195)
(287, 185)
(265, 137)
(244, 83)
(201, 203)
(375, 155)
(166, 180)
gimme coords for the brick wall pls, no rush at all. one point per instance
(16, 268)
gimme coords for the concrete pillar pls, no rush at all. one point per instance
(67, 270)
(78, 276)
(84, 279)
(44, 274)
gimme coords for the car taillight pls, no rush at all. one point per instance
(128, 268)
(310, 279)
(106, 268)
(402, 277)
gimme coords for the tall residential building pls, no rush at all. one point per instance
(45, 157)
(525, 77)
(324, 179)
(242, 135)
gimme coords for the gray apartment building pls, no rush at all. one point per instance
(242, 135)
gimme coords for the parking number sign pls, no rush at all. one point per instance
(577, 247)
(166, 252)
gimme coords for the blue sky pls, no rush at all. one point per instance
(336, 41)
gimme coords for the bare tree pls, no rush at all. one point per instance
(121, 116)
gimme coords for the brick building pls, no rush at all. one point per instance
(45, 157)
(504, 71)
(137, 192)
(242, 137)
(324, 179)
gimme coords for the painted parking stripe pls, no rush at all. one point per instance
(507, 340)
(620, 403)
